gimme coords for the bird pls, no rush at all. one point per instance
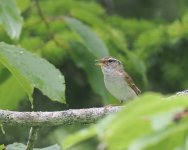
(117, 80)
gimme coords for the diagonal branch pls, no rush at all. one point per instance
(71, 116)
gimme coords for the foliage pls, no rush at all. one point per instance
(2, 147)
(71, 35)
(139, 126)
(31, 72)
(95, 46)
(162, 54)
(11, 19)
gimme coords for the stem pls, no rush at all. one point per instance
(41, 13)
(32, 138)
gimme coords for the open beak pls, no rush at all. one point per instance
(99, 62)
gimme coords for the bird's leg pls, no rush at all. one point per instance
(107, 107)
(121, 102)
(110, 105)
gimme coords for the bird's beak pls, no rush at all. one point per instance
(99, 62)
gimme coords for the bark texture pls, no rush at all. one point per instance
(72, 116)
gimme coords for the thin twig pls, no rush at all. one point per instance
(32, 138)
(41, 14)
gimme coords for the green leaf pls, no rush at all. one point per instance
(23, 5)
(10, 94)
(162, 120)
(32, 72)
(52, 52)
(20, 146)
(126, 120)
(10, 18)
(88, 17)
(16, 146)
(89, 38)
(2, 147)
(78, 137)
(146, 47)
(175, 31)
(87, 133)
(169, 138)
(135, 121)
(53, 147)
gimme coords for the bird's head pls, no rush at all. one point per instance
(109, 64)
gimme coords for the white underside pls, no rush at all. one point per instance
(119, 88)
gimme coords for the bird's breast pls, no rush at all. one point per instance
(118, 87)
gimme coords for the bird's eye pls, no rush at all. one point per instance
(111, 60)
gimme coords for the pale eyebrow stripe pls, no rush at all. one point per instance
(112, 59)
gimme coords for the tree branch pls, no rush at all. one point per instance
(71, 116)
(55, 118)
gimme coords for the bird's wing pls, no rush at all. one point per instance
(132, 84)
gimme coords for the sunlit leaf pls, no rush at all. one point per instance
(136, 121)
(32, 71)
(170, 138)
(163, 119)
(2, 147)
(175, 32)
(23, 5)
(10, 18)
(10, 94)
(87, 133)
(80, 136)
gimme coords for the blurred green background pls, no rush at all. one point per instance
(149, 37)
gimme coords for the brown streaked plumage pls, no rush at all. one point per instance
(132, 84)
